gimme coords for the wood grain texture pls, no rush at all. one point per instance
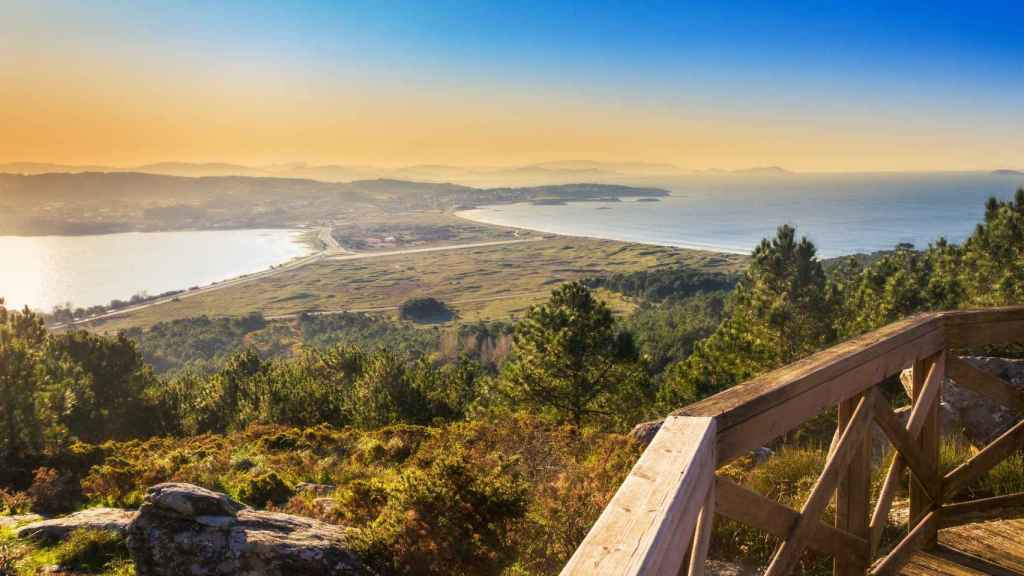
(924, 468)
(855, 434)
(1005, 507)
(757, 511)
(755, 412)
(702, 535)
(922, 533)
(647, 526)
(924, 426)
(853, 494)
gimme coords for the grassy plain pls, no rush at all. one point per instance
(480, 283)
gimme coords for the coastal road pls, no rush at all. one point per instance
(333, 252)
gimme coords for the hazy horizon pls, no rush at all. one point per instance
(842, 87)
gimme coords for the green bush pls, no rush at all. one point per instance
(91, 550)
(452, 518)
(263, 489)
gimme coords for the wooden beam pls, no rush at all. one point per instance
(788, 553)
(702, 536)
(646, 527)
(926, 391)
(917, 538)
(985, 383)
(757, 511)
(853, 494)
(880, 517)
(759, 410)
(1003, 507)
(923, 424)
(997, 451)
(985, 327)
(923, 468)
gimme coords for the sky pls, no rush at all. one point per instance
(812, 86)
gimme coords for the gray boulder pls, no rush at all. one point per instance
(644, 432)
(185, 529)
(17, 520)
(57, 529)
(977, 417)
(318, 490)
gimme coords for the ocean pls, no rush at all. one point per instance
(841, 213)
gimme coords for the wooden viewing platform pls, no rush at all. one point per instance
(660, 519)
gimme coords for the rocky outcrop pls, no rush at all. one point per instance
(17, 520)
(644, 432)
(56, 529)
(316, 490)
(977, 417)
(185, 529)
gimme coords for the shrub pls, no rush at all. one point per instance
(14, 503)
(53, 493)
(263, 489)
(91, 550)
(425, 310)
(452, 518)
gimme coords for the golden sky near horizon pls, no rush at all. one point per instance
(86, 85)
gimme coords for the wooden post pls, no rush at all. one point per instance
(920, 503)
(853, 495)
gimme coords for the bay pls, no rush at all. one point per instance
(44, 271)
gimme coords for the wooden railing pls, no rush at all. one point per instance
(660, 519)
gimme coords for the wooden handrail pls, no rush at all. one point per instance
(653, 516)
(651, 524)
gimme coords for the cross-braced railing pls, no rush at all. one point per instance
(660, 520)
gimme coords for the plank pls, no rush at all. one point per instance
(985, 383)
(923, 425)
(969, 563)
(757, 511)
(880, 517)
(917, 538)
(763, 408)
(702, 536)
(926, 390)
(931, 564)
(1008, 506)
(989, 456)
(923, 468)
(765, 427)
(853, 494)
(986, 327)
(788, 553)
(651, 518)
(998, 543)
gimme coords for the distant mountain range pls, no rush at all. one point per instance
(558, 172)
(1005, 172)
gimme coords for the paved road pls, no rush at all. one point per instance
(335, 252)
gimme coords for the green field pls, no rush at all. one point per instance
(481, 283)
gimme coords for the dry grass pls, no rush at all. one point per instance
(482, 283)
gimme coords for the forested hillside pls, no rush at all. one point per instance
(447, 458)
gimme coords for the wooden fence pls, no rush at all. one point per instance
(660, 519)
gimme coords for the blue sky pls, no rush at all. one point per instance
(909, 72)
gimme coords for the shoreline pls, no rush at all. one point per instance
(310, 239)
(682, 245)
